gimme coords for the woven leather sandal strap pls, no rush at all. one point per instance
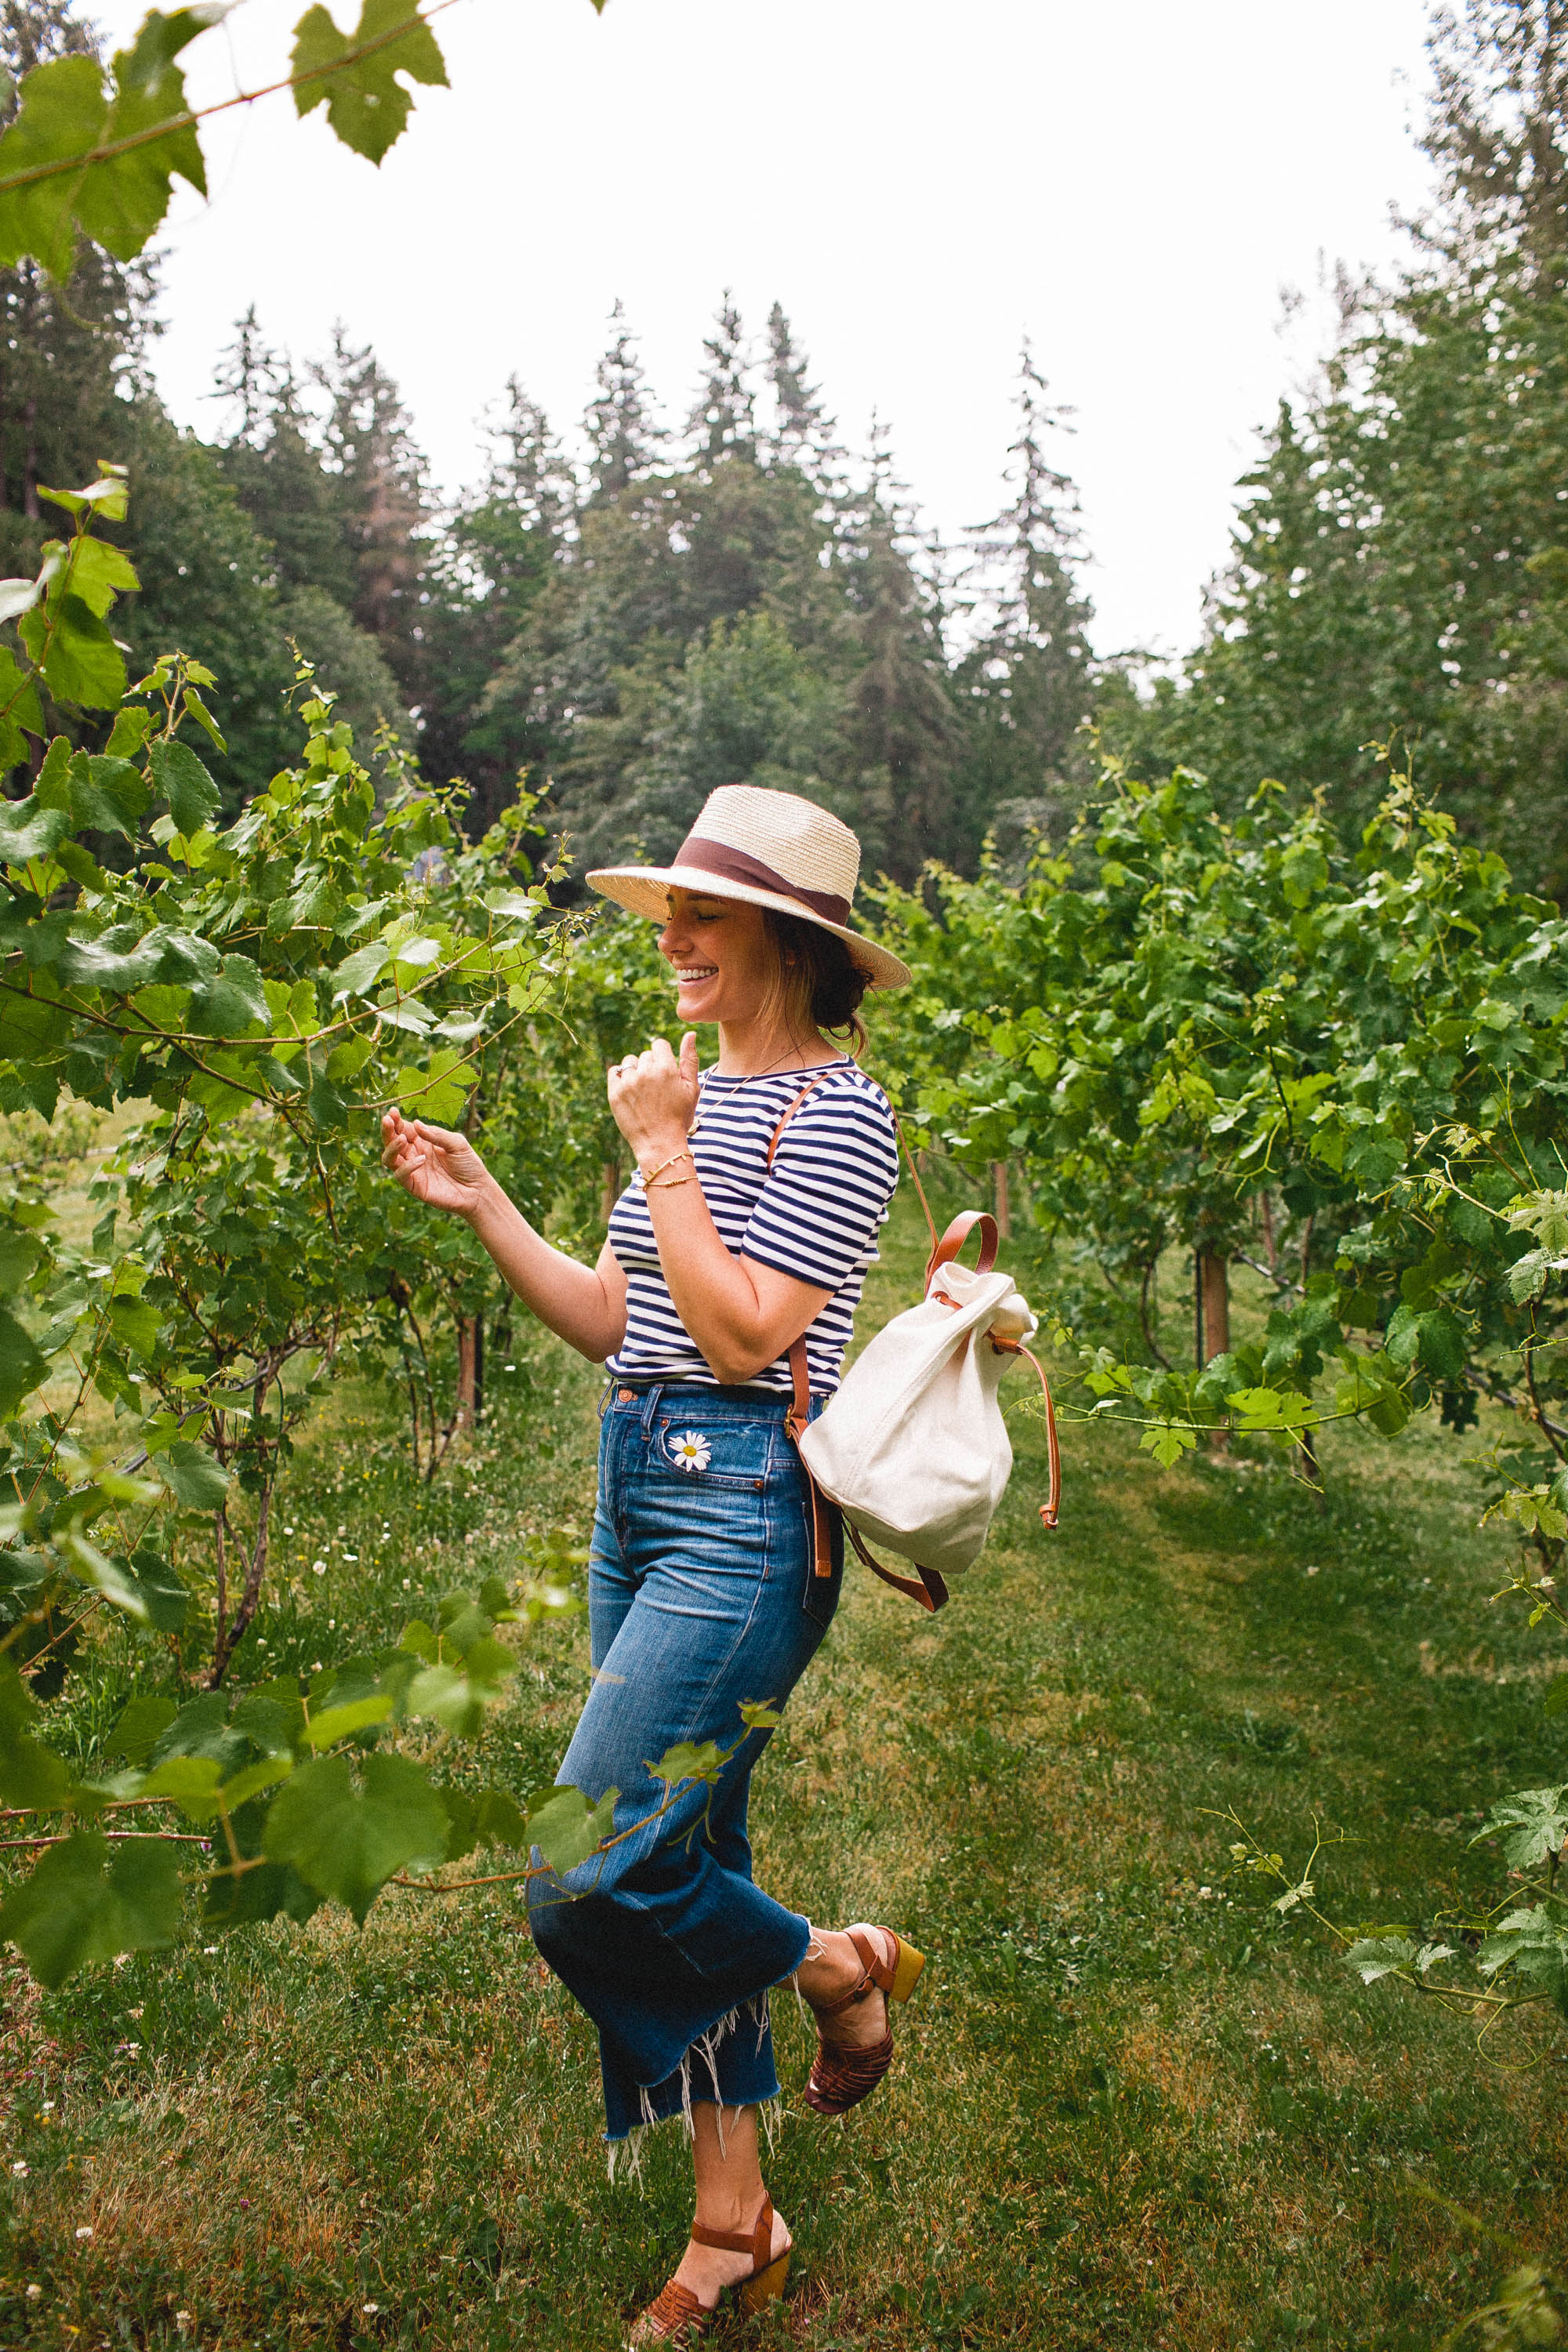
(675, 2311)
(842, 2078)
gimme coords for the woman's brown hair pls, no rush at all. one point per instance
(817, 984)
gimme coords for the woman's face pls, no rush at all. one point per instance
(722, 957)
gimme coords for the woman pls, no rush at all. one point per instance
(706, 1588)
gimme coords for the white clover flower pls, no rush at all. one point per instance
(692, 1452)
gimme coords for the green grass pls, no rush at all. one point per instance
(1130, 2109)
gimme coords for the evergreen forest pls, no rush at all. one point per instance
(1225, 1806)
(711, 585)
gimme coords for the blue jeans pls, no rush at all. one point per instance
(702, 1596)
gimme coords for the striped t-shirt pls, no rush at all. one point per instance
(815, 1214)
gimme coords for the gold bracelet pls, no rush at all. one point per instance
(669, 1183)
(648, 1175)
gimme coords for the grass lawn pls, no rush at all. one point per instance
(1132, 2108)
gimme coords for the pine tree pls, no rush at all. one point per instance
(274, 458)
(1498, 131)
(1025, 683)
(495, 561)
(245, 378)
(379, 474)
(623, 432)
(1401, 559)
(803, 431)
(901, 734)
(723, 422)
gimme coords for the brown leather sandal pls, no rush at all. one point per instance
(677, 2316)
(842, 2075)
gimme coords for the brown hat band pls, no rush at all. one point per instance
(726, 865)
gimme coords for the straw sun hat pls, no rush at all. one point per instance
(767, 849)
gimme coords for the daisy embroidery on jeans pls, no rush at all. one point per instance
(692, 1451)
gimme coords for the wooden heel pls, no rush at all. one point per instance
(906, 1972)
(767, 2285)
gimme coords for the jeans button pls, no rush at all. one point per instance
(625, 1396)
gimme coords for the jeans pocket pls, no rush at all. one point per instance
(698, 1451)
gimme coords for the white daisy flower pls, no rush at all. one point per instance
(692, 1452)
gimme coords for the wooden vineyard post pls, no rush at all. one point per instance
(1214, 1322)
(1213, 1276)
(1003, 1207)
(470, 1369)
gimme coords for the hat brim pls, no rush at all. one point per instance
(645, 890)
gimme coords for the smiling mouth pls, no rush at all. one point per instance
(689, 975)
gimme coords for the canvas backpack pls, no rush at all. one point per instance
(913, 1448)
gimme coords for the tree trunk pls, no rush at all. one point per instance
(1004, 1206)
(1214, 1328)
(1214, 1324)
(30, 505)
(470, 1368)
(610, 1192)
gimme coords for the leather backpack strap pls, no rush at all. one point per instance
(796, 1421)
(957, 1233)
(1049, 1508)
(791, 1107)
(798, 1418)
(929, 1590)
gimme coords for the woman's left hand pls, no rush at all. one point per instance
(654, 1098)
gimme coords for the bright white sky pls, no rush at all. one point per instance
(918, 183)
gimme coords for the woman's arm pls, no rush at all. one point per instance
(741, 1315)
(585, 1305)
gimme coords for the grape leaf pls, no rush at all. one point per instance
(67, 118)
(441, 1092)
(180, 778)
(691, 1761)
(143, 1722)
(22, 1368)
(230, 1003)
(1168, 1443)
(98, 571)
(347, 1840)
(1533, 1823)
(106, 795)
(61, 115)
(88, 1902)
(28, 831)
(566, 1828)
(196, 1479)
(1379, 1955)
(77, 658)
(30, 1773)
(366, 105)
(19, 1254)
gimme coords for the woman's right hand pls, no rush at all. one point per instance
(434, 1164)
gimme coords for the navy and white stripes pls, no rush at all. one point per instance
(815, 1215)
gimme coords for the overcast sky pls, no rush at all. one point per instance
(921, 185)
